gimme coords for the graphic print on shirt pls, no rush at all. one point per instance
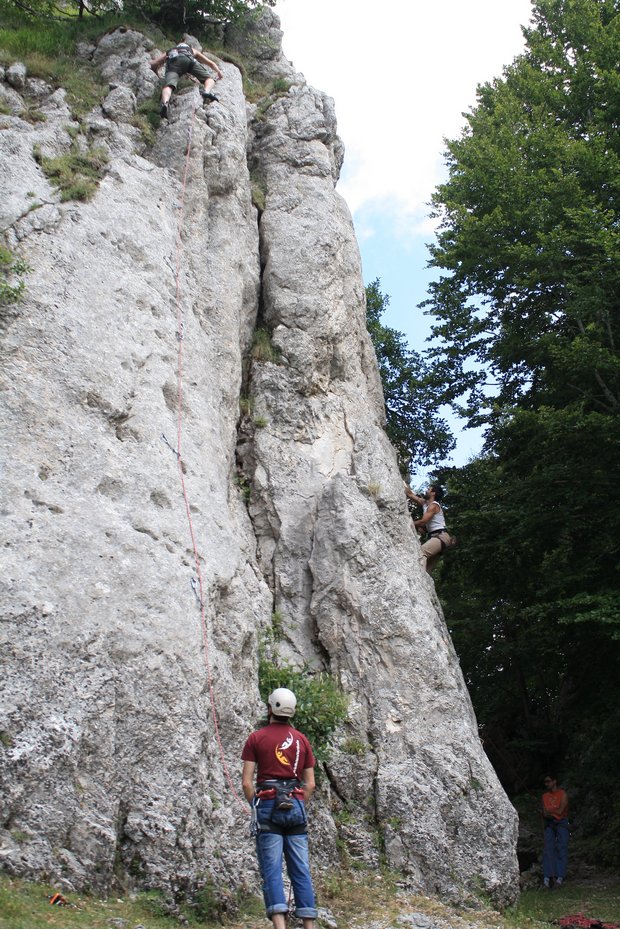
(280, 749)
(283, 747)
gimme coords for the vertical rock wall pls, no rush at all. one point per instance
(109, 754)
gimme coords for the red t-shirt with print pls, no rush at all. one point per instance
(279, 750)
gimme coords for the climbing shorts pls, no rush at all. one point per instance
(181, 65)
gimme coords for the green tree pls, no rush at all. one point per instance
(195, 15)
(529, 231)
(187, 15)
(419, 435)
(527, 319)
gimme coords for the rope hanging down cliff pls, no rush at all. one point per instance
(199, 587)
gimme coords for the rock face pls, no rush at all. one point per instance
(122, 514)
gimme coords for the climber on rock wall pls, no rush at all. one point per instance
(180, 60)
(433, 523)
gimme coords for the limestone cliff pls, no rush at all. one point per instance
(110, 759)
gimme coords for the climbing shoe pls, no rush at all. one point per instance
(163, 111)
(208, 97)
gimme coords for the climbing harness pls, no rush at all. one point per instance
(197, 582)
(282, 790)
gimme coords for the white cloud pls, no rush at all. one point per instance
(401, 72)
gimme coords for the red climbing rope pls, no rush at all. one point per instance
(180, 338)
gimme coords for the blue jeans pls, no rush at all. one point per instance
(555, 854)
(273, 841)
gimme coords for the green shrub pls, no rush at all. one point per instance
(281, 86)
(277, 628)
(244, 486)
(321, 702)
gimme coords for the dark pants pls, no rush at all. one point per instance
(555, 854)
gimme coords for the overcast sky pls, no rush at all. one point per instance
(401, 72)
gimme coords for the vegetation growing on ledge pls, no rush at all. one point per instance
(11, 284)
(76, 174)
(321, 702)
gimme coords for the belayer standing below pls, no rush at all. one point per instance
(432, 522)
(282, 760)
(554, 808)
(180, 60)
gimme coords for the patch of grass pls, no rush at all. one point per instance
(259, 190)
(277, 625)
(11, 284)
(598, 898)
(253, 91)
(343, 817)
(246, 406)
(147, 118)
(47, 48)
(260, 422)
(281, 86)
(354, 894)
(244, 486)
(353, 746)
(76, 174)
(349, 892)
(31, 114)
(373, 488)
(25, 905)
(262, 347)
(5, 109)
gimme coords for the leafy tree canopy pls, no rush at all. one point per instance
(419, 435)
(529, 233)
(527, 320)
(186, 15)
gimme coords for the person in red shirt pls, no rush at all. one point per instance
(278, 780)
(554, 810)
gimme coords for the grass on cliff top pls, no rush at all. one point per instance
(48, 49)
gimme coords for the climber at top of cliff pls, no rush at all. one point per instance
(180, 60)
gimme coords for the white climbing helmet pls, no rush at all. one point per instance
(282, 702)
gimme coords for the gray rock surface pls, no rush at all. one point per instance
(16, 75)
(142, 301)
